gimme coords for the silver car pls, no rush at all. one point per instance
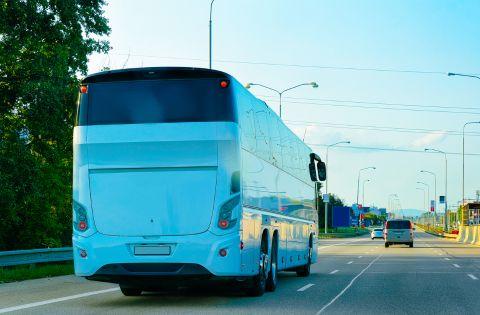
(398, 232)
(376, 233)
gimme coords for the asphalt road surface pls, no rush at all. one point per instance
(353, 276)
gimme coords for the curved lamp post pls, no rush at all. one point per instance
(446, 183)
(280, 93)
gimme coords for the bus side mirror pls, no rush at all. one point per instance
(322, 171)
(313, 172)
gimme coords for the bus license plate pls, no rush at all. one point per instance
(152, 250)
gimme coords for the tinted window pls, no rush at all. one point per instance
(398, 225)
(378, 230)
(156, 101)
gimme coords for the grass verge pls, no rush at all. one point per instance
(26, 272)
(342, 233)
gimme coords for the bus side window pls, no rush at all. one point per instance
(263, 137)
(247, 125)
(275, 142)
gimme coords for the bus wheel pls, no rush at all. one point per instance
(259, 282)
(272, 274)
(304, 271)
(128, 291)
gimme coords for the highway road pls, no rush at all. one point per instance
(353, 276)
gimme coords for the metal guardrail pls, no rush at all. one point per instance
(34, 256)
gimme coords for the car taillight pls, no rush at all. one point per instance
(225, 220)
(80, 219)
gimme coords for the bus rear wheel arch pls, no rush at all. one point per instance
(258, 282)
(273, 271)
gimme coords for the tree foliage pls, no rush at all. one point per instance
(44, 47)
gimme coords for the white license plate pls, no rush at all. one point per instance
(152, 250)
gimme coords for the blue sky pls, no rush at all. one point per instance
(428, 36)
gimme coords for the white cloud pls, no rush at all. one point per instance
(430, 139)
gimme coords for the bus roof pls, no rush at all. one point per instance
(154, 73)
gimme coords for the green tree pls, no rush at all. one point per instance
(44, 47)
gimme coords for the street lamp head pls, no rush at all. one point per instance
(451, 74)
(314, 84)
(248, 85)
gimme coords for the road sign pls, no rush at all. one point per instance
(441, 199)
(432, 205)
(326, 198)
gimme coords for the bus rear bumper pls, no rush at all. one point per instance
(113, 258)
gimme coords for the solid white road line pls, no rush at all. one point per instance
(446, 258)
(62, 299)
(335, 271)
(306, 287)
(360, 256)
(472, 276)
(350, 262)
(347, 287)
(456, 266)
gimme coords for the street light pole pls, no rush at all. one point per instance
(422, 189)
(463, 159)
(358, 186)
(434, 197)
(326, 160)
(326, 184)
(210, 35)
(428, 191)
(446, 185)
(280, 93)
(363, 191)
(451, 74)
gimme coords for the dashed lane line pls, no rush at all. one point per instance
(456, 266)
(472, 276)
(51, 301)
(306, 287)
(334, 271)
(348, 286)
(350, 262)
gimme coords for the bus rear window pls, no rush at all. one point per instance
(155, 101)
(401, 225)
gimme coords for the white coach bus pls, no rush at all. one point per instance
(180, 174)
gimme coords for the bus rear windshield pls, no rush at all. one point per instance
(155, 101)
(401, 225)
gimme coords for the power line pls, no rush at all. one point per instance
(382, 108)
(379, 128)
(365, 148)
(372, 103)
(295, 65)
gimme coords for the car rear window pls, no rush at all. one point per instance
(378, 230)
(402, 225)
(156, 101)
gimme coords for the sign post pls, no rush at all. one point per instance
(326, 199)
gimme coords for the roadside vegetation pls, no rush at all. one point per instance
(26, 272)
(44, 49)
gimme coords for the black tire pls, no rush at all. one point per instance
(386, 244)
(272, 279)
(128, 291)
(410, 245)
(304, 271)
(258, 283)
(373, 238)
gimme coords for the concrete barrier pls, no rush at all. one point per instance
(477, 239)
(461, 233)
(473, 238)
(469, 234)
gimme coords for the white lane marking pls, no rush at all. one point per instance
(347, 287)
(350, 262)
(472, 276)
(335, 271)
(65, 298)
(446, 258)
(354, 241)
(456, 266)
(360, 256)
(306, 287)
